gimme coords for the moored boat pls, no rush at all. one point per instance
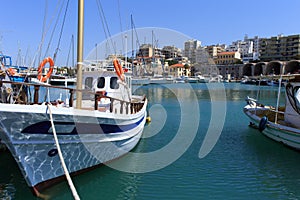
(106, 123)
(14, 72)
(281, 124)
(62, 80)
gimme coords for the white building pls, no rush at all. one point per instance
(190, 48)
(249, 48)
(243, 47)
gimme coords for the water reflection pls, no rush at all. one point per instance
(244, 164)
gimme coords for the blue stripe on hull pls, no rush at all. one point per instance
(71, 128)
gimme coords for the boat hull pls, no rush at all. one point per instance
(28, 135)
(281, 133)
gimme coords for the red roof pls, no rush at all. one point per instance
(177, 65)
(227, 52)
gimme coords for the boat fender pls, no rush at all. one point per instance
(52, 152)
(263, 123)
(11, 71)
(40, 69)
(119, 69)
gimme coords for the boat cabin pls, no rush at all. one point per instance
(108, 84)
(109, 88)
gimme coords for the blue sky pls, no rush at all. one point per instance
(209, 21)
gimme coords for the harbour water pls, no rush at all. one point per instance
(243, 164)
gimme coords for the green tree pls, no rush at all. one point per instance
(172, 62)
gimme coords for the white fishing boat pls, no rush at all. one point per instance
(62, 80)
(104, 121)
(281, 124)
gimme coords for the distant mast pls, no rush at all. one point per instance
(79, 53)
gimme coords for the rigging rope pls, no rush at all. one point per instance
(53, 31)
(44, 31)
(105, 26)
(61, 31)
(120, 20)
(70, 48)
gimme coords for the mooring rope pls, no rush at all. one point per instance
(72, 187)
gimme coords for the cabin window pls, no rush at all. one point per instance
(101, 82)
(114, 83)
(88, 83)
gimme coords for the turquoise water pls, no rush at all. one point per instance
(243, 164)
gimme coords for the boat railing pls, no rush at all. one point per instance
(126, 107)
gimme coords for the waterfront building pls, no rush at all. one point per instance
(282, 48)
(226, 58)
(230, 72)
(179, 70)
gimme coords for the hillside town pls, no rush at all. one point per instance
(229, 61)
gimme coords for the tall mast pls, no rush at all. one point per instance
(79, 53)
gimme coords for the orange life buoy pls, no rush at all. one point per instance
(11, 71)
(119, 70)
(40, 69)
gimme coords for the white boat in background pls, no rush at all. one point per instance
(179, 80)
(190, 79)
(62, 80)
(215, 78)
(203, 79)
(281, 124)
(159, 79)
(106, 123)
(140, 81)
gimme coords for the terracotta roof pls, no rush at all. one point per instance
(227, 52)
(177, 65)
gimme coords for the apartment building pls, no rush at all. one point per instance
(283, 48)
(213, 50)
(227, 58)
(190, 49)
(171, 52)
